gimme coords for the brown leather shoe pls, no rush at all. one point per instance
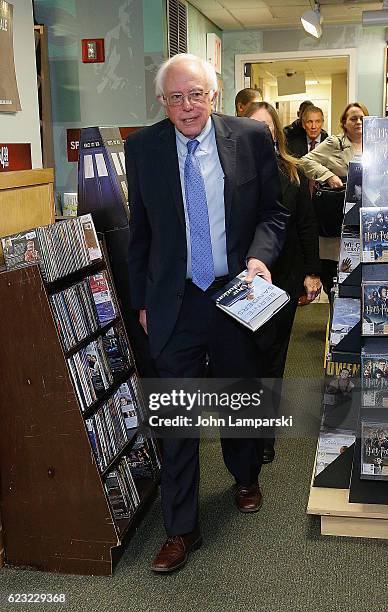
(175, 551)
(248, 499)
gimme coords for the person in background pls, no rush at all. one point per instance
(299, 143)
(298, 268)
(244, 98)
(296, 129)
(328, 164)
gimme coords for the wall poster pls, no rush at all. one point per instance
(9, 95)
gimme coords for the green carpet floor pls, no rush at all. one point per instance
(273, 561)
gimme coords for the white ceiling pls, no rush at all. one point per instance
(252, 14)
(320, 69)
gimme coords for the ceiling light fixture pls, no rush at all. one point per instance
(376, 18)
(312, 20)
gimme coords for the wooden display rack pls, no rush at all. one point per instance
(339, 517)
(54, 509)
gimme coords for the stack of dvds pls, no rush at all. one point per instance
(103, 297)
(349, 253)
(374, 294)
(110, 426)
(140, 458)
(75, 313)
(117, 350)
(122, 491)
(91, 373)
(59, 249)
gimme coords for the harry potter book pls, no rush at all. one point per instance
(375, 308)
(374, 450)
(374, 234)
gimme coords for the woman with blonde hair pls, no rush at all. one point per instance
(297, 269)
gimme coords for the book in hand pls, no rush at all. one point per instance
(251, 304)
(374, 450)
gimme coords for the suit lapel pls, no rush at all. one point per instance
(168, 157)
(226, 145)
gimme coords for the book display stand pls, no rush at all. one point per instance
(349, 504)
(56, 512)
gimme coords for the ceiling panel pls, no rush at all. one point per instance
(248, 14)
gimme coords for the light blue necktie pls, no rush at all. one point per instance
(202, 265)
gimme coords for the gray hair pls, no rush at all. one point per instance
(207, 69)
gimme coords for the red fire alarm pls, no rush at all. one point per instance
(93, 50)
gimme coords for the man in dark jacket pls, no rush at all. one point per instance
(303, 136)
(197, 221)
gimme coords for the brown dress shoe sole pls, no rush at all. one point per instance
(250, 510)
(194, 546)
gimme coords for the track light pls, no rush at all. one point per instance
(376, 18)
(312, 20)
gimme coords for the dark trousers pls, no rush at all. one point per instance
(276, 354)
(328, 272)
(202, 331)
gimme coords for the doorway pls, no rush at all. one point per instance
(327, 78)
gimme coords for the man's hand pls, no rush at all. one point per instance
(313, 287)
(334, 182)
(143, 319)
(256, 267)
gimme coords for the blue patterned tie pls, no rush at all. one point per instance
(202, 265)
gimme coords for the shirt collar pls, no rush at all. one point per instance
(203, 138)
(317, 139)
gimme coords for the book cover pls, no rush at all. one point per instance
(90, 236)
(251, 304)
(375, 161)
(346, 315)
(103, 298)
(353, 194)
(374, 380)
(349, 255)
(115, 348)
(127, 406)
(374, 450)
(374, 234)
(330, 446)
(21, 250)
(374, 308)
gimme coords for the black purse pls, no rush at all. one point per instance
(328, 205)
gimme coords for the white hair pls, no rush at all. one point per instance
(204, 66)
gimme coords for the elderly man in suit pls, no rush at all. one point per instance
(310, 134)
(204, 202)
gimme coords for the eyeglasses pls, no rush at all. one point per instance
(177, 99)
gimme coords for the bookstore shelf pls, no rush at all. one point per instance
(99, 332)
(349, 486)
(55, 508)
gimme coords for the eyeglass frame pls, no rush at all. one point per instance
(165, 99)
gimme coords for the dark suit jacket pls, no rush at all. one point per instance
(300, 252)
(296, 142)
(254, 218)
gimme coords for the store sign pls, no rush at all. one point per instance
(9, 95)
(16, 156)
(73, 136)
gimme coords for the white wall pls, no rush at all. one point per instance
(24, 125)
(369, 43)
